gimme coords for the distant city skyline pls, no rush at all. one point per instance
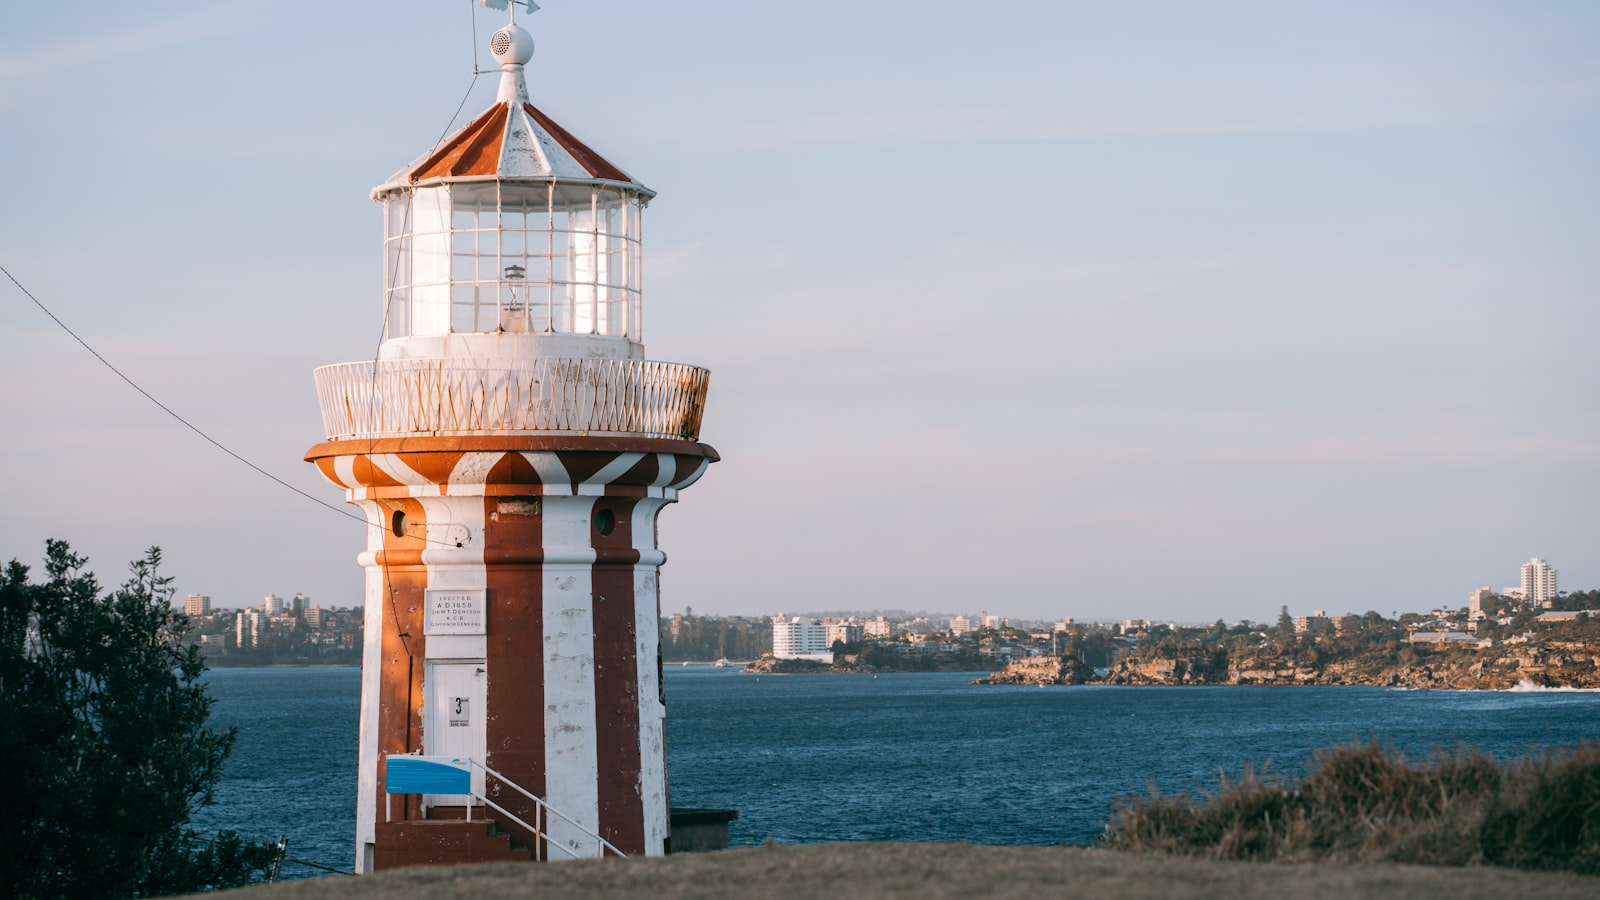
(1166, 311)
(1539, 584)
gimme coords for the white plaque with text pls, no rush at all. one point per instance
(456, 612)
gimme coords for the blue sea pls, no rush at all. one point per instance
(902, 757)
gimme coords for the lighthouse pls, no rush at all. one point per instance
(511, 446)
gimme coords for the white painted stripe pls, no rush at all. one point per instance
(693, 476)
(652, 714)
(667, 466)
(552, 473)
(393, 466)
(473, 469)
(572, 768)
(453, 521)
(615, 469)
(371, 673)
(344, 468)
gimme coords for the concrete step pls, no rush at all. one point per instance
(422, 842)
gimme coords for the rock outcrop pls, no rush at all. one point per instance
(1551, 664)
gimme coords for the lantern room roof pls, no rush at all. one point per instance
(512, 139)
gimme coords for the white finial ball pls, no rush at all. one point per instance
(511, 45)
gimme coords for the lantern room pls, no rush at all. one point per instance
(512, 229)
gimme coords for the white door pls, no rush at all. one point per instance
(452, 719)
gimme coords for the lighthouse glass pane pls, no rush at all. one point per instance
(397, 315)
(475, 273)
(396, 266)
(513, 244)
(582, 275)
(430, 263)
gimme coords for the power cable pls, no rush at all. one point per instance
(168, 410)
(383, 328)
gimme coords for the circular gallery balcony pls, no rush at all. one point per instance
(432, 397)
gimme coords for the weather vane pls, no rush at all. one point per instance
(511, 4)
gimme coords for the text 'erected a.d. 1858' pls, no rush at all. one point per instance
(456, 612)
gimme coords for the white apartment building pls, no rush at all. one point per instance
(960, 625)
(799, 638)
(1475, 601)
(248, 625)
(847, 631)
(1317, 619)
(877, 629)
(196, 605)
(1538, 582)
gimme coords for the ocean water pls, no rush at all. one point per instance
(914, 756)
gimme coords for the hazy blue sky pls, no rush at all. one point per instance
(1100, 309)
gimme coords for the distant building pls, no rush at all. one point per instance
(799, 638)
(196, 605)
(960, 625)
(272, 604)
(248, 627)
(1450, 638)
(877, 629)
(1538, 582)
(847, 631)
(1316, 620)
(298, 605)
(1475, 602)
(313, 617)
(1567, 615)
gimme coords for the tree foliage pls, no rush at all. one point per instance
(106, 745)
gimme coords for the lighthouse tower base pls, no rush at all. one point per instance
(512, 624)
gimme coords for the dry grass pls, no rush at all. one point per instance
(928, 872)
(1365, 803)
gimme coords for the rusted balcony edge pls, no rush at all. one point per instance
(404, 398)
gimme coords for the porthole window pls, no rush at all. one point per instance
(605, 521)
(397, 523)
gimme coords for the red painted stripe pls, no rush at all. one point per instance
(514, 648)
(616, 678)
(402, 643)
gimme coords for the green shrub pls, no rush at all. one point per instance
(1367, 803)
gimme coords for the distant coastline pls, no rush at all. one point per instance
(1568, 657)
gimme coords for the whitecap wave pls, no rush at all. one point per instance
(1527, 687)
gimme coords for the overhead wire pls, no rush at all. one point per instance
(383, 329)
(197, 429)
(168, 410)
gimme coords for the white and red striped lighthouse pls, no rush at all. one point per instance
(511, 448)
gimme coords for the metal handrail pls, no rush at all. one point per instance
(544, 812)
(464, 396)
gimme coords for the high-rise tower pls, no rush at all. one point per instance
(511, 447)
(1540, 583)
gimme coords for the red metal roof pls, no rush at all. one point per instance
(508, 141)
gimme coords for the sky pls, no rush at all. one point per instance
(1048, 308)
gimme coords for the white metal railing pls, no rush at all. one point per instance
(542, 811)
(400, 398)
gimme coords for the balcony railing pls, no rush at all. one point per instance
(414, 397)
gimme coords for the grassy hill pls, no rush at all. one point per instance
(928, 872)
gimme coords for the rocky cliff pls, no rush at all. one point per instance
(1550, 664)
